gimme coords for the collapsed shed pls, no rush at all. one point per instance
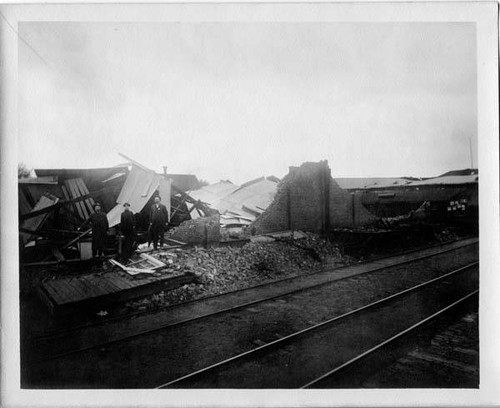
(54, 205)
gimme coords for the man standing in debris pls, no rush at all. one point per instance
(100, 226)
(158, 218)
(127, 228)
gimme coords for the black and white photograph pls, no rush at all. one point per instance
(250, 204)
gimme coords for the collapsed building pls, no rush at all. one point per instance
(450, 198)
(373, 215)
(56, 203)
(239, 205)
(53, 205)
(309, 199)
(362, 216)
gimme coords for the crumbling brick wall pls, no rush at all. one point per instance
(199, 231)
(308, 199)
(347, 210)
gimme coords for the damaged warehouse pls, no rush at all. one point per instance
(56, 204)
(53, 206)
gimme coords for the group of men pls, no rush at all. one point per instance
(158, 220)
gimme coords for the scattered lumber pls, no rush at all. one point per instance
(147, 264)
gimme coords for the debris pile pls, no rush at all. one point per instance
(446, 235)
(224, 269)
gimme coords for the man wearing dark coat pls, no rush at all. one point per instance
(100, 226)
(127, 228)
(158, 219)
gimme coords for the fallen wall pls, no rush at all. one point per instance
(308, 199)
(202, 230)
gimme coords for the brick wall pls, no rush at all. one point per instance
(308, 199)
(200, 231)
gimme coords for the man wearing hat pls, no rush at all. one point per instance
(127, 228)
(100, 226)
(158, 218)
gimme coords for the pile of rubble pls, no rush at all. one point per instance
(225, 269)
(446, 235)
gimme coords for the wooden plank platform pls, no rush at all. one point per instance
(98, 290)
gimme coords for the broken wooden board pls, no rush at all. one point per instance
(57, 254)
(147, 264)
(137, 271)
(70, 188)
(154, 261)
(76, 188)
(96, 291)
(175, 241)
(162, 248)
(36, 222)
(84, 191)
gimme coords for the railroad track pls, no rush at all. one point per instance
(319, 356)
(102, 321)
(347, 374)
(56, 345)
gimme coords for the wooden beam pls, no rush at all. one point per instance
(44, 233)
(175, 241)
(84, 191)
(152, 260)
(135, 163)
(58, 255)
(64, 203)
(77, 238)
(70, 243)
(114, 262)
(73, 194)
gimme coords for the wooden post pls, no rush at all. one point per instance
(120, 243)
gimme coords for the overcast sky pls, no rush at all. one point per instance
(241, 100)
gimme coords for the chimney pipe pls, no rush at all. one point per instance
(164, 170)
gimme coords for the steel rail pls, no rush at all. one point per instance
(232, 308)
(102, 322)
(392, 339)
(309, 330)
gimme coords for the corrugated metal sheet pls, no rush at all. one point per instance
(92, 177)
(357, 183)
(238, 205)
(447, 180)
(214, 192)
(254, 196)
(389, 182)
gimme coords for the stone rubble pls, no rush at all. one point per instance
(224, 269)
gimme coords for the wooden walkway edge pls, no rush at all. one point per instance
(96, 291)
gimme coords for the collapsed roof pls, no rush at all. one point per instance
(138, 188)
(239, 205)
(59, 201)
(449, 178)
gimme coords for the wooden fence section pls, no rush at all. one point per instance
(94, 291)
